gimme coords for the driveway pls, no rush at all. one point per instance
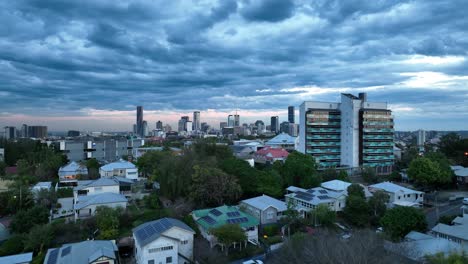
(450, 208)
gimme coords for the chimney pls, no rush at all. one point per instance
(363, 97)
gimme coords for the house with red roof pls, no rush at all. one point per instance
(268, 155)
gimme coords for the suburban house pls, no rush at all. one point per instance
(417, 246)
(268, 155)
(307, 200)
(165, 240)
(24, 258)
(71, 173)
(85, 252)
(461, 173)
(121, 168)
(265, 208)
(5, 223)
(399, 195)
(284, 141)
(207, 219)
(41, 186)
(458, 232)
(342, 186)
(92, 194)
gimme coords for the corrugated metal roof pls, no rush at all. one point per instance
(121, 164)
(102, 198)
(393, 188)
(81, 252)
(229, 215)
(265, 201)
(16, 259)
(150, 231)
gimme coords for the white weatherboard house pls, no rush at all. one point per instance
(342, 186)
(121, 168)
(24, 258)
(307, 200)
(265, 208)
(71, 172)
(166, 240)
(399, 195)
(85, 252)
(91, 194)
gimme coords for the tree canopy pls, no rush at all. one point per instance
(229, 234)
(428, 173)
(300, 170)
(399, 221)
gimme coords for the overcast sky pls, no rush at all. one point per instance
(87, 64)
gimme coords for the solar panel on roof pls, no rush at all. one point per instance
(323, 197)
(304, 196)
(149, 229)
(53, 256)
(209, 220)
(215, 212)
(158, 227)
(66, 251)
(141, 234)
(233, 214)
(237, 220)
(323, 191)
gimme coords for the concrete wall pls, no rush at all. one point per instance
(350, 131)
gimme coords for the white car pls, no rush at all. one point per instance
(253, 262)
(465, 201)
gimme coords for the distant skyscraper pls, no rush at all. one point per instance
(186, 119)
(421, 137)
(24, 131)
(260, 126)
(196, 121)
(139, 121)
(291, 114)
(145, 129)
(159, 125)
(236, 120)
(293, 130)
(181, 125)
(222, 125)
(284, 127)
(230, 121)
(274, 124)
(10, 132)
(73, 133)
(188, 126)
(135, 129)
(37, 131)
(205, 127)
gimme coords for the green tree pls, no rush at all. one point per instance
(270, 183)
(399, 221)
(93, 168)
(14, 245)
(107, 220)
(356, 190)
(378, 206)
(453, 258)
(300, 170)
(39, 238)
(212, 186)
(24, 220)
(329, 174)
(343, 176)
(323, 215)
(356, 211)
(246, 175)
(229, 234)
(152, 201)
(368, 175)
(3, 166)
(427, 173)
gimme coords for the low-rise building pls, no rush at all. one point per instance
(268, 155)
(24, 258)
(461, 173)
(458, 232)
(284, 141)
(166, 240)
(342, 186)
(266, 209)
(399, 195)
(71, 173)
(41, 186)
(207, 219)
(121, 168)
(306, 200)
(85, 252)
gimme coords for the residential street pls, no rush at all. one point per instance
(448, 208)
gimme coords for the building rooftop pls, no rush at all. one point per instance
(272, 153)
(81, 252)
(121, 164)
(316, 195)
(393, 188)
(102, 198)
(265, 201)
(282, 139)
(219, 216)
(41, 185)
(17, 259)
(461, 172)
(457, 167)
(150, 231)
(336, 185)
(96, 183)
(72, 168)
(458, 231)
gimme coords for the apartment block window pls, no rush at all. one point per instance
(398, 197)
(153, 250)
(184, 242)
(169, 260)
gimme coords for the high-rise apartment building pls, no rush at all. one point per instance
(145, 129)
(222, 125)
(10, 132)
(196, 121)
(260, 126)
(159, 125)
(291, 114)
(274, 124)
(421, 138)
(236, 120)
(284, 127)
(37, 131)
(353, 133)
(139, 121)
(230, 121)
(24, 131)
(293, 130)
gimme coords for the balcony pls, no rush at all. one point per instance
(324, 130)
(323, 151)
(375, 164)
(324, 137)
(378, 130)
(378, 137)
(376, 151)
(376, 158)
(378, 144)
(376, 123)
(322, 144)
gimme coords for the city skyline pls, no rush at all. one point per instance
(66, 68)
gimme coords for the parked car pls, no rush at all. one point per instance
(253, 262)
(465, 201)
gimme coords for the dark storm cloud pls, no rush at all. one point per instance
(66, 56)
